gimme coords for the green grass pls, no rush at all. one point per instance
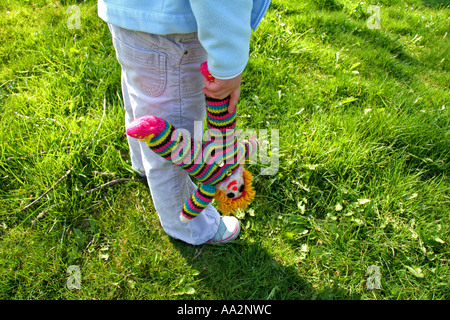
(363, 119)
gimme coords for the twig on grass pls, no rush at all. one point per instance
(71, 169)
(27, 117)
(48, 190)
(107, 184)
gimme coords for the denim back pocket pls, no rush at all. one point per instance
(145, 69)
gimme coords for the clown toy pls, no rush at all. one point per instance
(218, 163)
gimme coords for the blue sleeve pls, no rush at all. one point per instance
(224, 30)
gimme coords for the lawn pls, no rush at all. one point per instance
(357, 207)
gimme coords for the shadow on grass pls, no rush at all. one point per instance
(436, 3)
(243, 271)
(247, 271)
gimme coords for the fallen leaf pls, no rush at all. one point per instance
(416, 271)
(363, 201)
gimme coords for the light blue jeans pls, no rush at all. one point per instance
(161, 76)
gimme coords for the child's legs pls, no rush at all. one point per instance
(160, 76)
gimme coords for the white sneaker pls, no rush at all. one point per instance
(229, 229)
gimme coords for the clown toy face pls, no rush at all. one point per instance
(233, 187)
(235, 192)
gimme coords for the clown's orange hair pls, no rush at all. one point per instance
(228, 205)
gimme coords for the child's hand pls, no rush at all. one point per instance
(220, 89)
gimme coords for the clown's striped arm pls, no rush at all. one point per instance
(197, 202)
